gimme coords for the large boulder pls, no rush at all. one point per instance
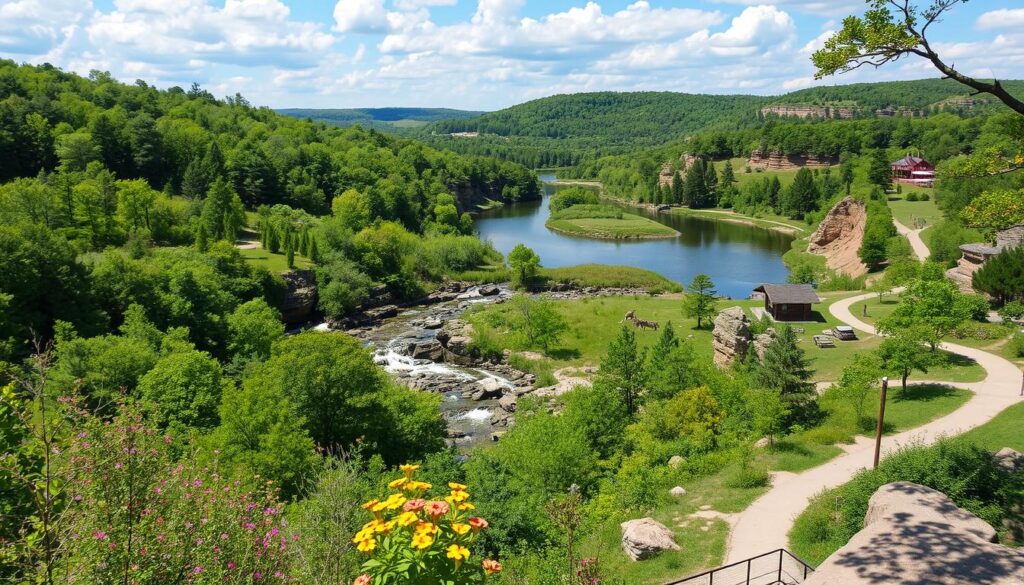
(731, 336)
(763, 340)
(1010, 459)
(301, 298)
(456, 336)
(428, 350)
(487, 388)
(914, 534)
(645, 538)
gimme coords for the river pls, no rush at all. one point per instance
(737, 257)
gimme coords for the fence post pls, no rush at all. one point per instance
(748, 571)
(780, 566)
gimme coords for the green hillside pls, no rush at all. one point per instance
(917, 94)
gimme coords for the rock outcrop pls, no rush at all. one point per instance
(1010, 459)
(301, 299)
(913, 534)
(777, 161)
(839, 236)
(763, 340)
(456, 337)
(808, 111)
(645, 538)
(731, 336)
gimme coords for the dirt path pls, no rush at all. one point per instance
(914, 237)
(739, 218)
(766, 523)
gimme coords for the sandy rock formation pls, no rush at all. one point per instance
(763, 340)
(913, 534)
(456, 337)
(839, 236)
(645, 538)
(777, 161)
(731, 336)
(301, 298)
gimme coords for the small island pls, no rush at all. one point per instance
(577, 212)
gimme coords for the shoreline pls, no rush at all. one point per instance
(597, 236)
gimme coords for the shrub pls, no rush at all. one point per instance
(911, 196)
(566, 198)
(925, 197)
(1012, 310)
(415, 540)
(748, 476)
(1017, 345)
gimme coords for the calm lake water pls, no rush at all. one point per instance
(737, 257)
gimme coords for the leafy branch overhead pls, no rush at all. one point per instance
(890, 30)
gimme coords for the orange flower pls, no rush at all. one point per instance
(363, 579)
(491, 566)
(435, 509)
(478, 523)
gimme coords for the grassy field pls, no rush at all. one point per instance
(273, 262)
(625, 226)
(582, 275)
(927, 213)
(594, 323)
(767, 221)
(1002, 431)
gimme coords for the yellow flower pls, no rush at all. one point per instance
(367, 545)
(369, 505)
(458, 554)
(407, 469)
(398, 483)
(371, 524)
(385, 526)
(460, 529)
(416, 486)
(379, 507)
(407, 518)
(363, 535)
(466, 506)
(395, 501)
(456, 487)
(422, 540)
(426, 528)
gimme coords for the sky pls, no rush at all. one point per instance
(476, 54)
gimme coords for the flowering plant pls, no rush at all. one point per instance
(416, 540)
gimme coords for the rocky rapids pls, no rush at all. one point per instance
(426, 346)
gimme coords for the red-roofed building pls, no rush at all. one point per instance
(913, 170)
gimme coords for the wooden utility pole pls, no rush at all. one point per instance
(881, 421)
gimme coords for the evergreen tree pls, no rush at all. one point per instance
(786, 369)
(802, 195)
(1003, 276)
(710, 178)
(202, 238)
(775, 194)
(846, 174)
(273, 240)
(700, 299)
(677, 189)
(194, 183)
(289, 251)
(728, 175)
(694, 187)
(879, 171)
(623, 367)
(314, 250)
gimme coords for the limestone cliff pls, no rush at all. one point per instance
(839, 236)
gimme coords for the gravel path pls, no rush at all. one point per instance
(765, 524)
(914, 236)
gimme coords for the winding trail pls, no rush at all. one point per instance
(914, 237)
(766, 523)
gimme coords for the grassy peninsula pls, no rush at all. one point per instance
(607, 223)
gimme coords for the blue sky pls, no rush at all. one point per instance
(475, 54)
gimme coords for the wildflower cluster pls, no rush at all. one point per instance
(416, 540)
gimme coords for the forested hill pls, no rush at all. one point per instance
(564, 130)
(558, 130)
(381, 118)
(917, 95)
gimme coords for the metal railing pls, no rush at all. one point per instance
(778, 567)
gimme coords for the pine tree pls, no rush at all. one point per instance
(802, 195)
(879, 171)
(710, 178)
(775, 194)
(677, 189)
(193, 182)
(785, 368)
(623, 366)
(699, 302)
(728, 175)
(846, 174)
(694, 187)
(202, 238)
(273, 240)
(290, 253)
(314, 251)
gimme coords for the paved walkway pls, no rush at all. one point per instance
(765, 524)
(914, 237)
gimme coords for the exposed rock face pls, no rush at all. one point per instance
(839, 236)
(645, 538)
(731, 336)
(913, 534)
(301, 298)
(808, 111)
(777, 161)
(455, 337)
(1010, 459)
(973, 256)
(428, 350)
(763, 340)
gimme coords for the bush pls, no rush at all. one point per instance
(1017, 345)
(911, 196)
(1012, 310)
(748, 476)
(925, 197)
(566, 198)
(587, 212)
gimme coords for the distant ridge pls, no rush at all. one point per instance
(388, 118)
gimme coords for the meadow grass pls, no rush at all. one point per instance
(625, 226)
(906, 212)
(273, 262)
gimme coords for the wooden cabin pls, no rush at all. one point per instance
(913, 170)
(788, 302)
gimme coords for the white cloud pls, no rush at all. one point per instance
(819, 7)
(32, 27)
(816, 43)
(360, 16)
(755, 29)
(1004, 18)
(417, 4)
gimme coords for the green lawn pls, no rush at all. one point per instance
(273, 262)
(606, 276)
(927, 213)
(594, 323)
(628, 226)
(766, 221)
(1005, 430)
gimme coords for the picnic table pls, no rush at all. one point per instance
(824, 341)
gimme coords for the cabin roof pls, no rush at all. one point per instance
(790, 294)
(910, 161)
